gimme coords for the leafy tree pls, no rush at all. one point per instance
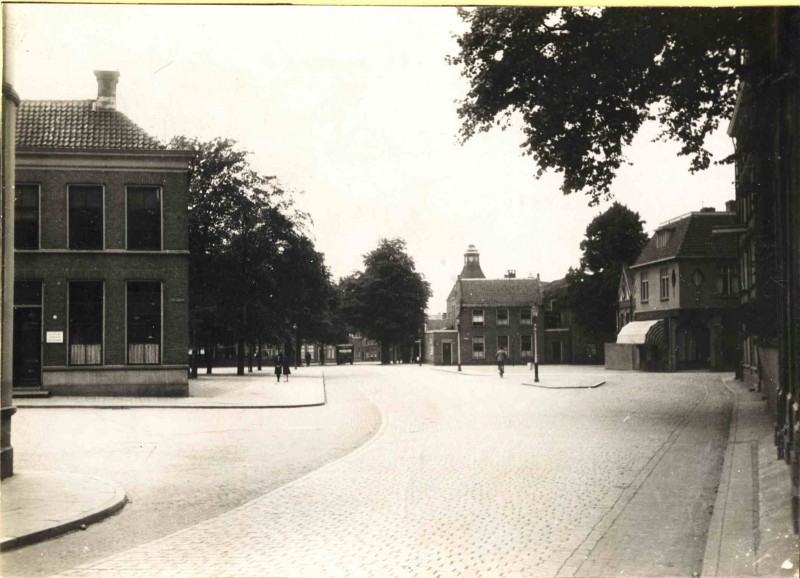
(387, 301)
(240, 223)
(613, 239)
(584, 80)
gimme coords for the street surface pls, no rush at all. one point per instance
(467, 475)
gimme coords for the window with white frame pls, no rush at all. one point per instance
(144, 322)
(85, 217)
(644, 287)
(525, 316)
(502, 316)
(143, 218)
(525, 348)
(478, 347)
(664, 285)
(477, 317)
(730, 280)
(502, 342)
(85, 322)
(662, 238)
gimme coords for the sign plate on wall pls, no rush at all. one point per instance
(55, 337)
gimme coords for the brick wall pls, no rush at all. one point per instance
(490, 331)
(53, 203)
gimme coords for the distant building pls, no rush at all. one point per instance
(685, 290)
(101, 249)
(488, 314)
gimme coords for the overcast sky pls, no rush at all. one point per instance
(355, 109)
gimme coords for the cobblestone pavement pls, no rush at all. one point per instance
(476, 476)
(178, 466)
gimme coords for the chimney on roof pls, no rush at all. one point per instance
(106, 89)
(730, 206)
(511, 274)
(708, 210)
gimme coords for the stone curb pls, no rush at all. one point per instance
(232, 405)
(598, 384)
(117, 503)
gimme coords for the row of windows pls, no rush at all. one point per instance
(479, 345)
(727, 282)
(86, 215)
(502, 317)
(86, 312)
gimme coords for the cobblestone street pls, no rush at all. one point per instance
(471, 475)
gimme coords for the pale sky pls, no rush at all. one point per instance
(355, 108)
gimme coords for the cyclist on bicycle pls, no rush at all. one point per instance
(501, 357)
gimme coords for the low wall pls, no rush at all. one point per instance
(156, 381)
(621, 356)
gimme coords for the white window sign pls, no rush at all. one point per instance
(55, 337)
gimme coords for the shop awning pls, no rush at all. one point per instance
(641, 332)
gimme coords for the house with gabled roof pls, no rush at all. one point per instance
(483, 316)
(101, 252)
(685, 288)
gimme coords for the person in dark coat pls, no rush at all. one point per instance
(286, 371)
(308, 358)
(278, 365)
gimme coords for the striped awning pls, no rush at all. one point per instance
(641, 332)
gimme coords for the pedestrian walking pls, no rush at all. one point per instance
(308, 358)
(278, 365)
(501, 357)
(286, 371)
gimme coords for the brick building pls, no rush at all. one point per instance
(101, 249)
(685, 289)
(486, 314)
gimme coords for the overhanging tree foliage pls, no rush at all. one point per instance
(584, 80)
(387, 301)
(613, 239)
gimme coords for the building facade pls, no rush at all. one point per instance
(766, 132)
(685, 286)
(101, 250)
(484, 316)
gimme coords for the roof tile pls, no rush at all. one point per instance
(75, 124)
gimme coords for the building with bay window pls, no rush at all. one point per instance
(101, 252)
(683, 293)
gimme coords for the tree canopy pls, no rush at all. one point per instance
(584, 80)
(387, 301)
(253, 273)
(613, 239)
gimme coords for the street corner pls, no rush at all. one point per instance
(37, 506)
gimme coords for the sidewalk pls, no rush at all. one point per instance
(305, 388)
(751, 529)
(560, 377)
(36, 506)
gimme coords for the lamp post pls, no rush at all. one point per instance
(458, 342)
(535, 346)
(294, 349)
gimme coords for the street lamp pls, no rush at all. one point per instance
(294, 349)
(458, 342)
(535, 346)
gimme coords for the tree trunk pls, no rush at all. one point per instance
(193, 366)
(240, 343)
(258, 352)
(211, 351)
(250, 350)
(385, 353)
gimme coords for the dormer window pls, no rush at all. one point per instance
(663, 237)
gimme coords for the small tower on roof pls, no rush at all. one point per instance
(472, 264)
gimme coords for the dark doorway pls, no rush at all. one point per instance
(447, 354)
(27, 346)
(555, 352)
(693, 345)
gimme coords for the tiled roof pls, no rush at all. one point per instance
(75, 124)
(692, 236)
(500, 291)
(555, 289)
